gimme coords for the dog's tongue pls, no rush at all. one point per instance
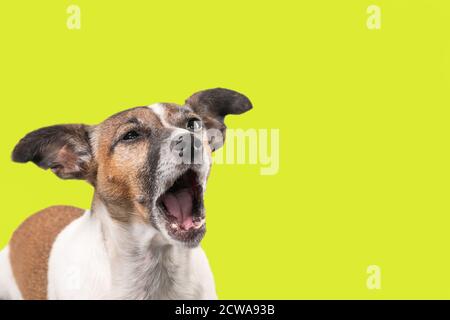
(179, 205)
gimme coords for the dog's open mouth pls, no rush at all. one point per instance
(182, 205)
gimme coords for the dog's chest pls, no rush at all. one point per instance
(85, 266)
(158, 273)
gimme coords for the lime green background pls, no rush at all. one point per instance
(363, 118)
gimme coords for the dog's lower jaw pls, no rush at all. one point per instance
(174, 235)
(145, 265)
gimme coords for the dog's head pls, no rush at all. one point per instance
(147, 164)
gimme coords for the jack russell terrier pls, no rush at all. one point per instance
(140, 239)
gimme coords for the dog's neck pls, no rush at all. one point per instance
(143, 264)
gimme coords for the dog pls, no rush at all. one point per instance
(141, 237)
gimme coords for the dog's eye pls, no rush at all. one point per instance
(131, 135)
(194, 124)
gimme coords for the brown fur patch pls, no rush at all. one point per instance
(30, 248)
(119, 169)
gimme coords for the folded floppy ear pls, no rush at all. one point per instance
(213, 105)
(65, 149)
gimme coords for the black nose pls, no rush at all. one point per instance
(187, 146)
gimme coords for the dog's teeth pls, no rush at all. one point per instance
(174, 226)
(198, 224)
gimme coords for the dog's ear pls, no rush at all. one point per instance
(65, 149)
(213, 105)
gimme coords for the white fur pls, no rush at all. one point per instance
(78, 266)
(160, 111)
(95, 257)
(8, 286)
